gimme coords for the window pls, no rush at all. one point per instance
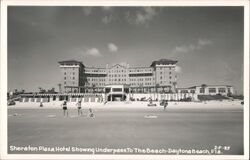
(202, 90)
(65, 78)
(107, 90)
(65, 73)
(73, 77)
(212, 90)
(184, 91)
(117, 89)
(192, 91)
(222, 90)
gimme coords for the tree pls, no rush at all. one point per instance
(40, 89)
(59, 86)
(175, 85)
(52, 90)
(22, 91)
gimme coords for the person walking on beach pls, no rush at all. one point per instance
(41, 104)
(79, 107)
(91, 113)
(65, 109)
(165, 105)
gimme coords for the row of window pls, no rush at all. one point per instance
(165, 82)
(117, 75)
(170, 77)
(95, 70)
(213, 90)
(117, 71)
(69, 78)
(73, 73)
(65, 83)
(140, 79)
(141, 84)
(141, 70)
(165, 68)
(117, 79)
(166, 73)
(97, 84)
(94, 79)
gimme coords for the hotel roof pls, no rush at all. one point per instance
(163, 62)
(70, 62)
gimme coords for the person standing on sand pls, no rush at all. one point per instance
(41, 104)
(165, 105)
(91, 113)
(79, 107)
(65, 109)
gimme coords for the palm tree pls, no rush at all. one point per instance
(40, 89)
(175, 85)
(59, 86)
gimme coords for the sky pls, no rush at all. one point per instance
(206, 41)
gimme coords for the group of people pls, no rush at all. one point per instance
(79, 109)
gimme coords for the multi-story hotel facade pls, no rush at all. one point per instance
(160, 76)
(122, 82)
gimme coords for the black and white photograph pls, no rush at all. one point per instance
(117, 80)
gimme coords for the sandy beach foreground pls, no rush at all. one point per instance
(183, 128)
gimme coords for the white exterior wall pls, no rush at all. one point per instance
(216, 90)
(165, 75)
(72, 75)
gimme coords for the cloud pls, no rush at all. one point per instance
(204, 42)
(108, 16)
(93, 52)
(87, 10)
(124, 64)
(107, 8)
(143, 16)
(192, 47)
(112, 47)
(178, 69)
(107, 19)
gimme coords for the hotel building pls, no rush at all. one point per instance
(160, 76)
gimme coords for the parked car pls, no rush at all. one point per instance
(151, 104)
(11, 102)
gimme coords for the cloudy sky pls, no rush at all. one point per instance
(206, 41)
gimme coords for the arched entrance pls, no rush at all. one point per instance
(117, 97)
